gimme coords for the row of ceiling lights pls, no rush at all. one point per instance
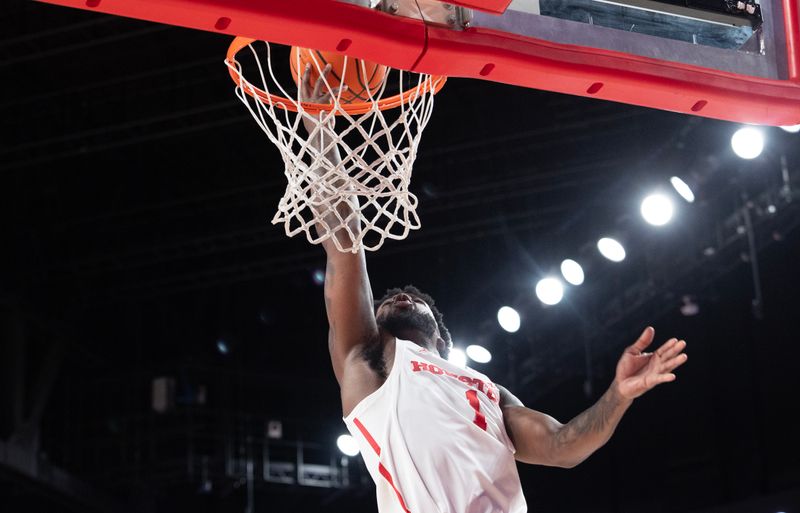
(657, 209)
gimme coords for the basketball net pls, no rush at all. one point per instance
(363, 198)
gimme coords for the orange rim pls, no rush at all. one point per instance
(434, 84)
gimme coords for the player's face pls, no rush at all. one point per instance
(404, 312)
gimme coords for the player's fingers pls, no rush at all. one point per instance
(317, 86)
(644, 340)
(665, 378)
(304, 88)
(666, 347)
(321, 81)
(675, 362)
(675, 348)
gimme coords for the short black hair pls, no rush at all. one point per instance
(414, 291)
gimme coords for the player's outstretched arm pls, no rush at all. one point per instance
(541, 439)
(348, 294)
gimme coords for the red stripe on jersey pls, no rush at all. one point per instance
(383, 470)
(372, 442)
(385, 473)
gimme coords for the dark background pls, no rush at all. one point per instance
(136, 196)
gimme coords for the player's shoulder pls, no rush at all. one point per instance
(507, 398)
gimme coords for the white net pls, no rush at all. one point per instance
(348, 174)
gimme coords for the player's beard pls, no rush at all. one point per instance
(400, 322)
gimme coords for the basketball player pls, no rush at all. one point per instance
(438, 438)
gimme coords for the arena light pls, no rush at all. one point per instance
(792, 129)
(682, 188)
(611, 249)
(222, 346)
(748, 142)
(657, 209)
(572, 271)
(457, 357)
(550, 291)
(348, 445)
(508, 319)
(479, 354)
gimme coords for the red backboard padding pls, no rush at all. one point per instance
(488, 55)
(611, 76)
(321, 24)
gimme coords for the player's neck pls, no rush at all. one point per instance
(414, 336)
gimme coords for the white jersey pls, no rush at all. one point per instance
(433, 439)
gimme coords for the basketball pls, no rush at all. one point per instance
(363, 78)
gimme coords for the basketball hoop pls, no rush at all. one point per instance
(377, 144)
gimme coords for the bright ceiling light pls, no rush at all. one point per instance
(748, 142)
(572, 271)
(508, 319)
(611, 249)
(549, 291)
(347, 444)
(792, 129)
(479, 354)
(657, 209)
(457, 357)
(682, 188)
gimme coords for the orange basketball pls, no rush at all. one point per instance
(362, 77)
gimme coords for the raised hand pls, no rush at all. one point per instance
(639, 371)
(320, 92)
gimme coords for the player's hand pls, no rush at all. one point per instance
(639, 371)
(319, 92)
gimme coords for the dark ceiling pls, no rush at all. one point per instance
(136, 196)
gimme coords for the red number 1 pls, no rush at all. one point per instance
(480, 420)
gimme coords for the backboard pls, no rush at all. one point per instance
(723, 59)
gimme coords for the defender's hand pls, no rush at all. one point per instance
(638, 371)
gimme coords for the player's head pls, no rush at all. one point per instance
(423, 316)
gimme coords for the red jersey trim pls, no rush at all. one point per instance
(368, 436)
(383, 470)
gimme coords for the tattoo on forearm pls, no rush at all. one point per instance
(601, 418)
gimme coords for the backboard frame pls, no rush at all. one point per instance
(488, 53)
